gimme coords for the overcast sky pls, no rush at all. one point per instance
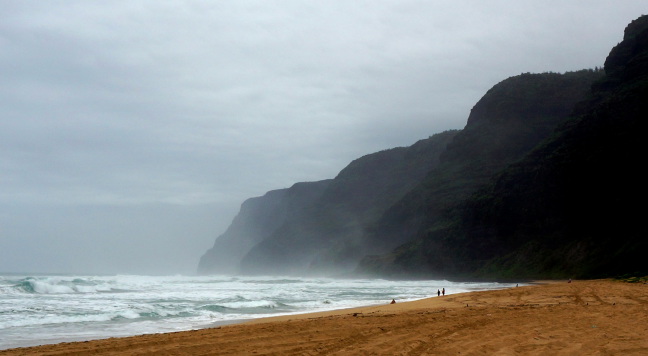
(131, 131)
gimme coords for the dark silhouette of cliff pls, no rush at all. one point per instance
(542, 182)
(569, 209)
(258, 218)
(289, 230)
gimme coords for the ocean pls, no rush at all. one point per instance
(45, 309)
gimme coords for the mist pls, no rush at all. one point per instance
(131, 132)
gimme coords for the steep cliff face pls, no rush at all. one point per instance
(541, 182)
(568, 209)
(327, 237)
(257, 219)
(571, 208)
(384, 199)
(512, 117)
(319, 224)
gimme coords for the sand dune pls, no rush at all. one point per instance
(599, 317)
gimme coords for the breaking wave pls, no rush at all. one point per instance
(66, 307)
(33, 285)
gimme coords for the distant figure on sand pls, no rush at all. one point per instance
(393, 301)
(443, 291)
(438, 293)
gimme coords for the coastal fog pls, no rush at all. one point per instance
(130, 133)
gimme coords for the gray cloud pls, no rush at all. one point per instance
(113, 113)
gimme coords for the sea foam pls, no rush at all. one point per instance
(49, 308)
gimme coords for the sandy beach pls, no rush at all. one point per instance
(599, 317)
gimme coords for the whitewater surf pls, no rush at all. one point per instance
(43, 309)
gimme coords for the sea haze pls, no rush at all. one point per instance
(45, 309)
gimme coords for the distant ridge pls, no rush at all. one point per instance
(570, 209)
(359, 194)
(524, 190)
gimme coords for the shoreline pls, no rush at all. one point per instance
(405, 305)
(372, 308)
(582, 317)
(214, 324)
(222, 323)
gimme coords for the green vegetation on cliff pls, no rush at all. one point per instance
(568, 209)
(328, 236)
(543, 182)
(511, 118)
(289, 230)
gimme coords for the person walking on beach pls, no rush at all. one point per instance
(438, 293)
(443, 291)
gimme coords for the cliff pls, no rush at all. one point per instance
(542, 182)
(287, 230)
(510, 119)
(569, 209)
(379, 201)
(256, 220)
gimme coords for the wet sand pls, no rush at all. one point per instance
(600, 317)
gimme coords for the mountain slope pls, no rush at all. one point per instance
(359, 212)
(510, 119)
(256, 220)
(327, 236)
(569, 209)
(314, 212)
(543, 182)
